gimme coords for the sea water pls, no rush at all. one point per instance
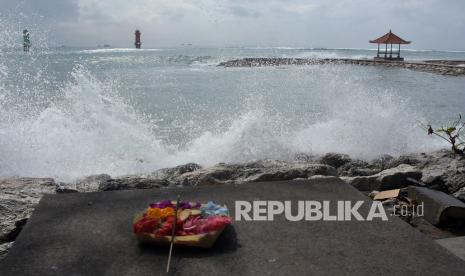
(69, 112)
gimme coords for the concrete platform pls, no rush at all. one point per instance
(455, 245)
(441, 207)
(90, 234)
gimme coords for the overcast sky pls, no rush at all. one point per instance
(430, 24)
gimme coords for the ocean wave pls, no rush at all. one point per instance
(120, 50)
(90, 131)
(268, 48)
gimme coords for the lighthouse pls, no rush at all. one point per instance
(26, 41)
(137, 43)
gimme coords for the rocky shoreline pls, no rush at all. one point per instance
(440, 170)
(441, 67)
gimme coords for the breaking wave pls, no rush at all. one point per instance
(89, 130)
(81, 127)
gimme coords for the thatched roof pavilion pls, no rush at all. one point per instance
(389, 38)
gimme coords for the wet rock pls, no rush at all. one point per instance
(4, 247)
(85, 184)
(157, 179)
(307, 158)
(92, 183)
(131, 183)
(382, 162)
(398, 177)
(62, 188)
(303, 171)
(18, 198)
(213, 175)
(318, 176)
(172, 173)
(403, 160)
(335, 160)
(206, 180)
(263, 170)
(357, 168)
(14, 214)
(360, 172)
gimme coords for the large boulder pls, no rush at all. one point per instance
(357, 168)
(217, 174)
(442, 170)
(398, 177)
(295, 172)
(335, 160)
(264, 170)
(447, 175)
(85, 184)
(172, 173)
(383, 162)
(131, 182)
(104, 182)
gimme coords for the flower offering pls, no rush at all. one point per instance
(195, 224)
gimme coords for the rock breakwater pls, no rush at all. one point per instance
(440, 170)
(441, 67)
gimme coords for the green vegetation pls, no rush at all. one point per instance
(452, 134)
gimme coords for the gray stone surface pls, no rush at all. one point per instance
(4, 247)
(460, 194)
(455, 245)
(335, 160)
(18, 198)
(398, 177)
(90, 234)
(302, 171)
(442, 170)
(439, 207)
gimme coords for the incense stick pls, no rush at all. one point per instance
(173, 234)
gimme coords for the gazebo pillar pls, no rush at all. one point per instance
(398, 52)
(390, 53)
(378, 51)
(385, 52)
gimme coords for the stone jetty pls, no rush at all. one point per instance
(441, 67)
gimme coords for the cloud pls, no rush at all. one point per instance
(301, 8)
(311, 23)
(49, 10)
(243, 12)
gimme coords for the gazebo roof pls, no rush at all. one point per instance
(390, 38)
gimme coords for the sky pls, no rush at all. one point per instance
(429, 24)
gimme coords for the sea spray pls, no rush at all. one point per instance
(84, 133)
(69, 113)
(90, 130)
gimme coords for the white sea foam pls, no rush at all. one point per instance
(91, 131)
(87, 129)
(120, 50)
